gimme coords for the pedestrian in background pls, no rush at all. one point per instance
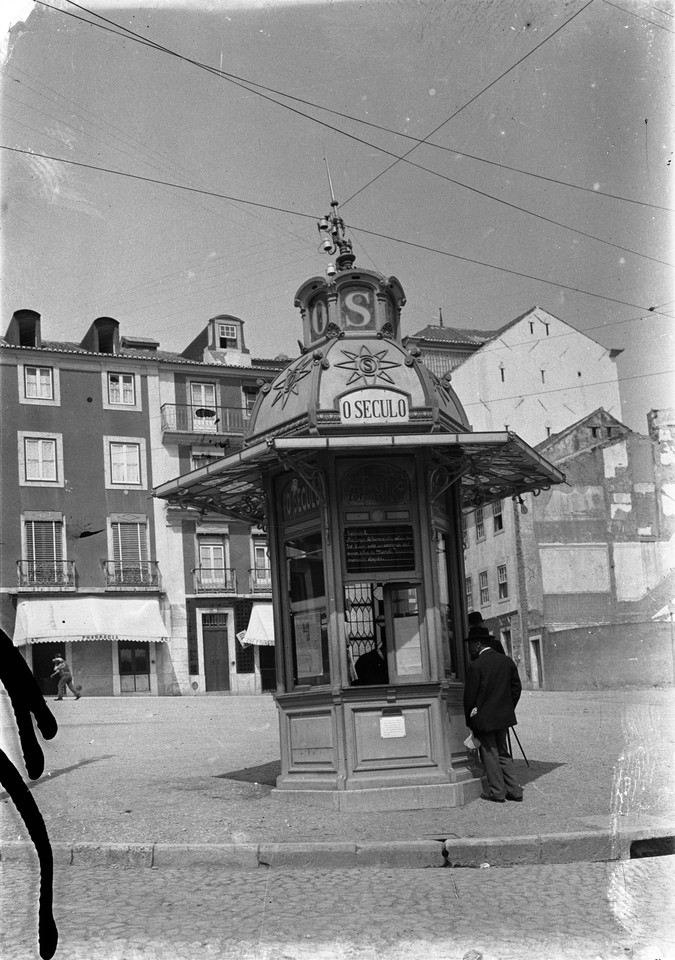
(477, 628)
(65, 679)
(491, 692)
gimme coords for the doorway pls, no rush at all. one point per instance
(268, 668)
(536, 669)
(134, 667)
(43, 666)
(216, 652)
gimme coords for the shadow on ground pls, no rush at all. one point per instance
(266, 773)
(536, 769)
(53, 774)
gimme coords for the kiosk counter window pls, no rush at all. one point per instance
(307, 606)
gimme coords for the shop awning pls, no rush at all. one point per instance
(260, 629)
(487, 466)
(88, 618)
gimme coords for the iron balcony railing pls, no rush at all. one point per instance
(131, 573)
(215, 580)
(190, 418)
(261, 579)
(45, 573)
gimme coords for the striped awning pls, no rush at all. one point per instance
(44, 620)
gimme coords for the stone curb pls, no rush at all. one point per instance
(456, 852)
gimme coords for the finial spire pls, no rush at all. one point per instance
(440, 316)
(333, 225)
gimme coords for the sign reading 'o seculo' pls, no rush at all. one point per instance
(373, 406)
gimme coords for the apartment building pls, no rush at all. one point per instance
(88, 568)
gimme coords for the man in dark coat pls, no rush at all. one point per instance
(477, 628)
(491, 692)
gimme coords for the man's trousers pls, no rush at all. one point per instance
(499, 768)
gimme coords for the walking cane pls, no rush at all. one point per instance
(519, 744)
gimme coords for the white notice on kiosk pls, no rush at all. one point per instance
(392, 727)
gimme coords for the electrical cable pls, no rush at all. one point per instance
(310, 216)
(360, 140)
(472, 100)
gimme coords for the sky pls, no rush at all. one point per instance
(546, 178)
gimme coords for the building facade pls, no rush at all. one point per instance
(574, 583)
(534, 375)
(90, 570)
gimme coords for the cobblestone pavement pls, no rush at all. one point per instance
(201, 770)
(581, 911)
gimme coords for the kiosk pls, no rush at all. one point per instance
(359, 460)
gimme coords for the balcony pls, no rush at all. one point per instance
(131, 575)
(188, 419)
(261, 580)
(45, 574)
(215, 580)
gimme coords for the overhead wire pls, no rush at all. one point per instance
(354, 227)
(637, 16)
(472, 100)
(397, 157)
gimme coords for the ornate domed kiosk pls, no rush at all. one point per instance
(358, 461)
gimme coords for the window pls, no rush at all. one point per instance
(480, 525)
(497, 516)
(502, 373)
(307, 607)
(543, 376)
(227, 335)
(129, 552)
(204, 412)
(468, 593)
(531, 326)
(124, 462)
(245, 657)
(121, 389)
(212, 561)
(43, 564)
(546, 325)
(465, 535)
(250, 396)
(548, 431)
(40, 457)
(503, 585)
(199, 459)
(38, 383)
(262, 574)
(484, 588)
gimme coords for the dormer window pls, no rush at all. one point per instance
(227, 336)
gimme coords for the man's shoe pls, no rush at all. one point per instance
(515, 799)
(58, 698)
(487, 796)
(78, 695)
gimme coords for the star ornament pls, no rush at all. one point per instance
(368, 366)
(289, 384)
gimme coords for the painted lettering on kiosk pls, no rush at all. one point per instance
(298, 499)
(374, 406)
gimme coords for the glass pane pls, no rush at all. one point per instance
(407, 640)
(126, 660)
(445, 610)
(307, 601)
(141, 659)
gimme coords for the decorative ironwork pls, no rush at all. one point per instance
(287, 384)
(45, 573)
(368, 366)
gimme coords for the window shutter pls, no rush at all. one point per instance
(129, 542)
(44, 540)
